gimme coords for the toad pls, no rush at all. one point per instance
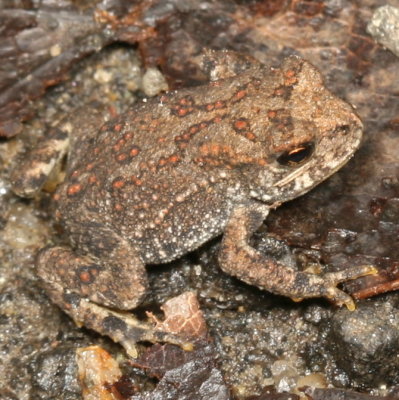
(178, 170)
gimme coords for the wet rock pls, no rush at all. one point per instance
(55, 374)
(384, 27)
(363, 342)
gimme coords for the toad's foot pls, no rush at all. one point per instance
(238, 258)
(325, 285)
(121, 327)
(90, 288)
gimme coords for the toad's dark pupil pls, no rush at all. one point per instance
(297, 155)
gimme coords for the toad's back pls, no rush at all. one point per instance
(161, 173)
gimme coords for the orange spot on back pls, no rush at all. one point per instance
(118, 184)
(240, 95)
(194, 129)
(181, 112)
(93, 179)
(134, 151)
(279, 92)
(174, 158)
(74, 189)
(136, 181)
(250, 136)
(272, 114)
(162, 161)
(290, 81)
(289, 73)
(121, 157)
(85, 277)
(128, 135)
(184, 101)
(240, 124)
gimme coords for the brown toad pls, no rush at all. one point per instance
(180, 169)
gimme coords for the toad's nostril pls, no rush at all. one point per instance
(342, 129)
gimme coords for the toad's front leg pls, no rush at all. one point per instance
(238, 258)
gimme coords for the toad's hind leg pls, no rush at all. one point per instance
(39, 164)
(238, 258)
(83, 284)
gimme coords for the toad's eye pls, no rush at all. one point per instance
(297, 155)
(343, 129)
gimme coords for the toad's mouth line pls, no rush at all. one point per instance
(289, 178)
